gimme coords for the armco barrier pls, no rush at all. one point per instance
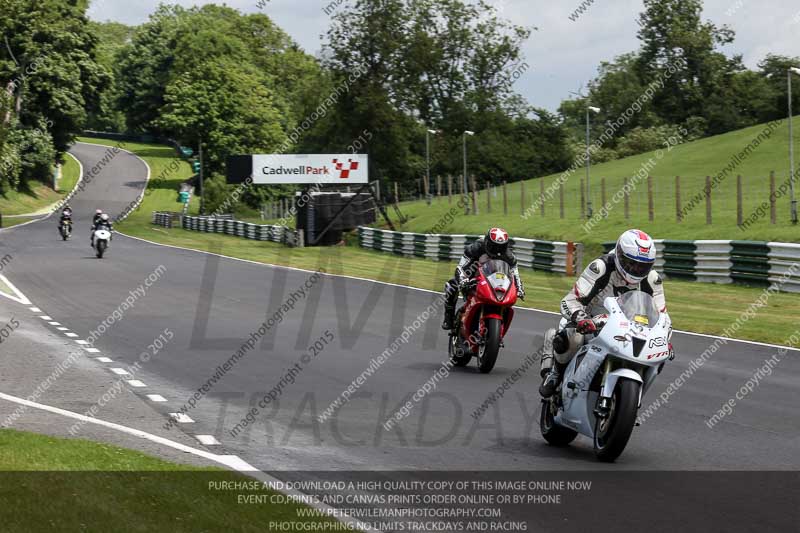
(756, 263)
(546, 256)
(257, 232)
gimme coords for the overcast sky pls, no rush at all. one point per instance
(563, 54)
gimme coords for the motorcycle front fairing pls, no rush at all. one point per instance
(639, 341)
(627, 347)
(493, 297)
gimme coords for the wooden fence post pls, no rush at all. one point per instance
(627, 197)
(561, 199)
(738, 199)
(488, 198)
(396, 194)
(541, 195)
(708, 200)
(439, 186)
(678, 214)
(650, 207)
(505, 198)
(603, 194)
(583, 200)
(773, 213)
(449, 189)
(522, 197)
(474, 196)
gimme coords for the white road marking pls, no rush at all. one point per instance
(181, 418)
(231, 461)
(208, 440)
(71, 335)
(82, 343)
(105, 360)
(45, 317)
(17, 296)
(136, 383)
(120, 372)
(35, 309)
(156, 398)
(54, 323)
(92, 350)
(62, 329)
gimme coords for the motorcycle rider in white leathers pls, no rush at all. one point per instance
(627, 267)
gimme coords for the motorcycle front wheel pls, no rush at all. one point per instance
(611, 434)
(101, 248)
(487, 353)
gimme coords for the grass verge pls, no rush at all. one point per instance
(689, 302)
(40, 196)
(76, 485)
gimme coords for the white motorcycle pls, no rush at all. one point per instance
(603, 384)
(101, 239)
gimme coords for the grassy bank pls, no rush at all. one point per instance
(94, 487)
(40, 196)
(691, 161)
(688, 302)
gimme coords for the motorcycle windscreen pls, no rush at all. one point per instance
(498, 274)
(639, 308)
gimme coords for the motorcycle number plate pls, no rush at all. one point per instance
(500, 275)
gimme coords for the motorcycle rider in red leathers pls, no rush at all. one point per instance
(493, 245)
(628, 267)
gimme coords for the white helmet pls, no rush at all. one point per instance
(104, 217)
(634, 255)
(98, 212)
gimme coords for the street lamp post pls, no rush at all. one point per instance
(793, 200)
(466, 184)
(588, 162)
(428, 134)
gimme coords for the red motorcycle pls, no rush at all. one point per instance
(482, 322)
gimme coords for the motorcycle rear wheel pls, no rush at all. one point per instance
(487, 353)
(611, 434)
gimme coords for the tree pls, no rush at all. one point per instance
(680, 51)
(227, 106)
(48, 65)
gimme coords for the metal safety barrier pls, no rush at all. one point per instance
(547, 256)
(754, 263)
(228, 226)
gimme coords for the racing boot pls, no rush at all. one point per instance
(450, 301)
(554, 343)
(550, 383)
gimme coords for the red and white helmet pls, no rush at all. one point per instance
(634, 255)
(496, 242)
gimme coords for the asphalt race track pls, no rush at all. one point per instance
(213, 305)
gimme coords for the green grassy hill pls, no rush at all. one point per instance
(40, 196)
(691, 161)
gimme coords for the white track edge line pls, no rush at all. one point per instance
(232, 462)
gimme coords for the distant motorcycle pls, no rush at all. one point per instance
(65, 229)
(483, 321)
(102, 237)
(604, 382)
